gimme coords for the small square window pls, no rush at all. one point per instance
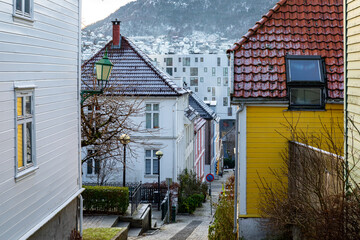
(194, 81)
(184, 69)
(201, 59)
(169, 71)
(213, 71)
(209, 89)
(205, 69)
(201, 79)
(196, 89)
(186, 61)
(193, 71)
(24, 8)
(196, 59)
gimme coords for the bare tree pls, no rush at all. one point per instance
(313, 196)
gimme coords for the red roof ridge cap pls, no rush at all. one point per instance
(258, 24)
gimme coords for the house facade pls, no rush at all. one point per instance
(199, 148)
(287, 74)
(351, 88)
(212, 135)
(163, 123)
(39, 132)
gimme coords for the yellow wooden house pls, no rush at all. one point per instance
(287, 71)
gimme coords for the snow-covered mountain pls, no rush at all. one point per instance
(179, 26)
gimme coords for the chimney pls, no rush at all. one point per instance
(116, 33)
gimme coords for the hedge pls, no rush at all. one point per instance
(101, 199)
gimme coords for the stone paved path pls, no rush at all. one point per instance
(189, 227)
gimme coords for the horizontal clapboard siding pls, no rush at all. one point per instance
(44, 53)
(266, 129)
(353, 80)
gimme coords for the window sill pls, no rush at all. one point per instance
(25, 173)
(305, 109)
(24, 20)
(151, 176)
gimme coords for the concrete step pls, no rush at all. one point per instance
(134, 232)
(100, 221)
(123, 225)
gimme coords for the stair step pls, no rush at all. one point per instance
(123, 225)
(134, 232)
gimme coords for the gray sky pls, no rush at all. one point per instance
(95, 10)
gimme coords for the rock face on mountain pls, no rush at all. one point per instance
(226, 18)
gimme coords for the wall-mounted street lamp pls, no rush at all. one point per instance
(103, 70)
(159, 154)
(124, 139)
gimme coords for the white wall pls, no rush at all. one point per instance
(46, 53)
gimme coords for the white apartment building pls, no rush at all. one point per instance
(208, 75)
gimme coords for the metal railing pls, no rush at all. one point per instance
(135, 198)
(165, 206)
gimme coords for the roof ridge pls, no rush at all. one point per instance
(258, 24)
(148, 61)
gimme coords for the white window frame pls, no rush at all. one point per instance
(152, 111)
(151, 158)
(22, 14)
(24, 119)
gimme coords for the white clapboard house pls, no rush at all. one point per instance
(40, 177)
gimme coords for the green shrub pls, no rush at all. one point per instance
(222, 226)
(192, 192)
(100, 199)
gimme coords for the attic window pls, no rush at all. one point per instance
(305, 82)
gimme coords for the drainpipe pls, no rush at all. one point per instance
(240, 109)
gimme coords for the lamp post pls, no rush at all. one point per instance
(124, 139)
(103, 70)
(159, 154)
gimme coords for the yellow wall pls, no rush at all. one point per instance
(265, 143)
(352, 59)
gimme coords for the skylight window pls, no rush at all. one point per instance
(305, 82)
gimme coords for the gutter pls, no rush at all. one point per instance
(240, 109)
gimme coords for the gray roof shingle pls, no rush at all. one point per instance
(133, 73)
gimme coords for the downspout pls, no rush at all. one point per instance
(240, 109)
(345, 97)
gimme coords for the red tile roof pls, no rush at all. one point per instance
(294, 27)
(133, 73)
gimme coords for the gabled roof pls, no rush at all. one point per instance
(294, 27)
(204, 110)
(133, 73)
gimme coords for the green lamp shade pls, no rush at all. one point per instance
(103, 70)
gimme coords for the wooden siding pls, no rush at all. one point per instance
(352, 58)
(266, 132)
(44, 53)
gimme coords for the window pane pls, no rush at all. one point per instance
(148, 153)
(148, 120)
(28, 142)
(169, 61)
(97, 166)
(169, 71)
(304, 70)
(19, 106)
(155, 166)
(28, 105)
(20, 145)
(154, 153)
(148, 107)
(201, 79)
(89, 166)
(156, 107)
(193, 71)
(148, 166)
(27, 6)
(305, 96)
(226, 81)
(225, 101)
(19, 5)
(156, 120)
(194, 81)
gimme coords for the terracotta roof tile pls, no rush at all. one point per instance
(294, 27)
(133, 72)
